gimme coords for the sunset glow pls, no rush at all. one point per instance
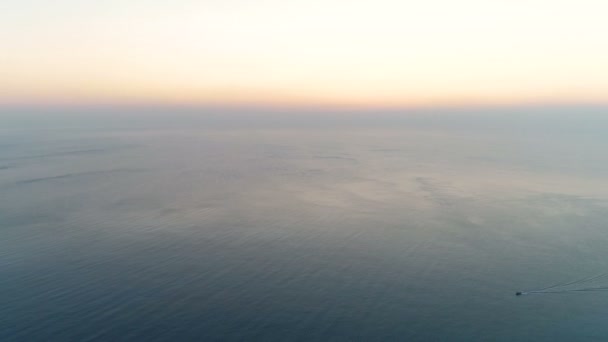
(333, 52)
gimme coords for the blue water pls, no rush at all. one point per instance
(195, 231)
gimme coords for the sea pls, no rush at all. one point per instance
(161, 226)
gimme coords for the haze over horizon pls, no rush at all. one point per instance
(325, 54)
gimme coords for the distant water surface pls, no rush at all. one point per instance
(288, 232)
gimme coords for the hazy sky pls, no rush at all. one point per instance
(304, 52)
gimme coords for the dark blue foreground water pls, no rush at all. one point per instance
(337, 233)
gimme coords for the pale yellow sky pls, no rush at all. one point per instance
(331, 52)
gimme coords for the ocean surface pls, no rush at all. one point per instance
(279, 229)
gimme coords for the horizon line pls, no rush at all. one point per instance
(320, 108)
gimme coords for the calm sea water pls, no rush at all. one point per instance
(301, 232)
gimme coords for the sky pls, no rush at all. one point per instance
(358, 53)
